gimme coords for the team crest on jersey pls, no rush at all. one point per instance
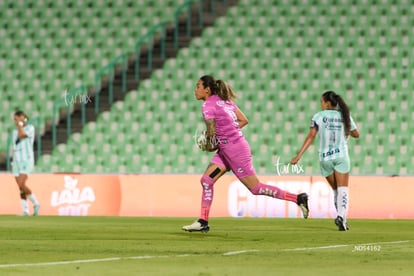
(220, 103)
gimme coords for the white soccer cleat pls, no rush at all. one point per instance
(36, 209)
(24, 214)
(197, 226)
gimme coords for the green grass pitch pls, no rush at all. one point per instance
(48, 245)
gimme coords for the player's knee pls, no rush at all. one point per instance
(210, 178)
(255, 190)
(206, 179)
(214, 173)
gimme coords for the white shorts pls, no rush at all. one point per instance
(22, 167)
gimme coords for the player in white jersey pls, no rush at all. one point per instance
(23, 159)
(333, 125)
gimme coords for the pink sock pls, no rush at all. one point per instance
(207, 183)
(272, 191)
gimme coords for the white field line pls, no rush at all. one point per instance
(342, 245)
(82, 261)
(238, 252)
(230, 253)
(316, 248)
(63, 262)
(380, 243)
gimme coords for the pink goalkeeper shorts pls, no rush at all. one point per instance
(236, 157)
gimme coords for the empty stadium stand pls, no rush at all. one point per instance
(278, 55)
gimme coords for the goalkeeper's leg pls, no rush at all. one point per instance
(207, 184)
(211, 175)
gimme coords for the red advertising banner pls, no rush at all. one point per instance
(65, 194)
(179, 196)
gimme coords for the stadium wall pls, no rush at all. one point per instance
(377, 197)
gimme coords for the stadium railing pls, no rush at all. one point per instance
(109, 70)
(185, 7)
(68, 101)
(148, 40)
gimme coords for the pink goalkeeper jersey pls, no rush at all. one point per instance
(224, 114)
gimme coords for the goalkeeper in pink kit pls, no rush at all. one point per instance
(224, 121)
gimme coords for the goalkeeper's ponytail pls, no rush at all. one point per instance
(225, 91)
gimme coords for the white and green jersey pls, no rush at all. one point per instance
(23, 147)
(331, 132)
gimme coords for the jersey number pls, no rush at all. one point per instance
(233, 116)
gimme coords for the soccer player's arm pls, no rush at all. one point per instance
(313, 131)
(241, 118)
(210, 144)
(210, 128)
(354, 131)
(20, 132)
(11, 150)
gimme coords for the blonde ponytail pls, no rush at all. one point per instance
(224, 91)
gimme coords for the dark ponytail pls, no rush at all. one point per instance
(338, 102)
